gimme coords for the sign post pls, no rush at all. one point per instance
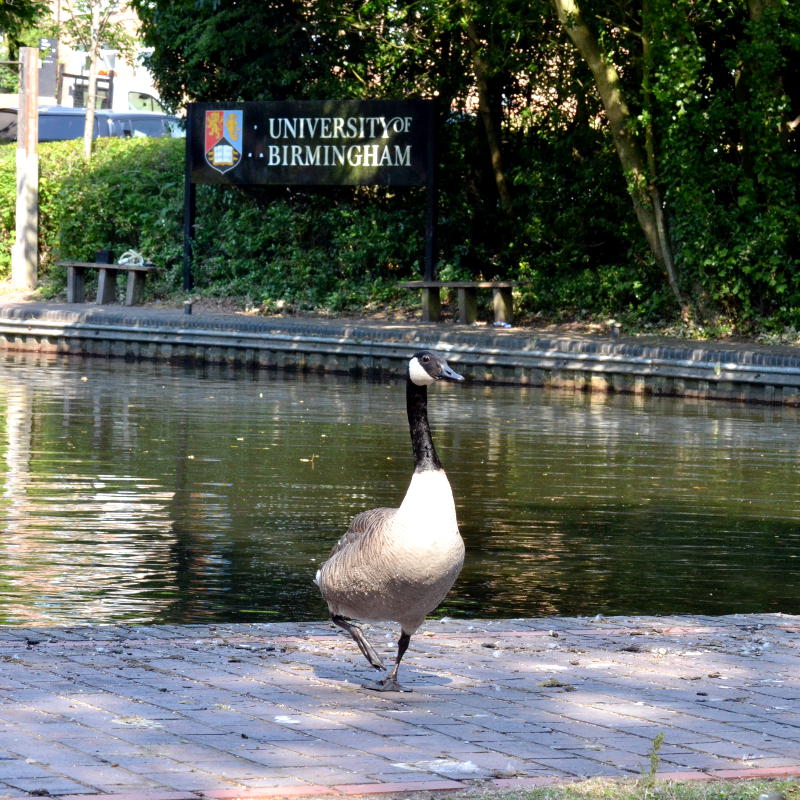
(311, 143)
(189, 208)
(431, 211)
(25, 251)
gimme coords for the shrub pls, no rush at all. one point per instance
(326, 248)
(129, 196)
(330, 247)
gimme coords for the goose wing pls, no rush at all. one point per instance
(362, 525)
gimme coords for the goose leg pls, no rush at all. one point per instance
(358, 637)
(390, 683)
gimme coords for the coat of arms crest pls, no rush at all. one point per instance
(224, 134)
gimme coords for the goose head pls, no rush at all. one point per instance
(426, 367)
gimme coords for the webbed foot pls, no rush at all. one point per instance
(388, 684)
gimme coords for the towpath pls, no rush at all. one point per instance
(598, 361)
(265, 710)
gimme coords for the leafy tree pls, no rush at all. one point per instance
(88, 25)
(726, 92)
(633, 157)
(16, 17)
(702, 100)
(248, 50)
(554, 115)
(523, 170)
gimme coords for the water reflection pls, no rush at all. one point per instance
(140, 492)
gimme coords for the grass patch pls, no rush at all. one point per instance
(647, 789)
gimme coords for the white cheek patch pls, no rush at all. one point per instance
(418, 374)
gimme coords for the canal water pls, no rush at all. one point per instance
(139, 492)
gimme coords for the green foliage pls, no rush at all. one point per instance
(715, 90)
(729, 160)
(87, 23)
(18, 14)
(248, 50)
(334, 249)
(530, 182)
(17, 19)
(649, 776)
(8, 199)
(568, 214)
(611, 789)
(129, 196)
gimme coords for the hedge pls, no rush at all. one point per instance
(333, 247)
(128, 197)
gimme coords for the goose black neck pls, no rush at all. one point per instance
(425, 458)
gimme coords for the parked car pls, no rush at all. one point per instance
(62, 122)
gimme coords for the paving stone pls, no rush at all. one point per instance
(294, 752)
(102, 776)
(11, 769)
(283, 785)
(54, 786)
(702, 761)
(83, 721)
(435, 743)
(191, 781)
(581, 767)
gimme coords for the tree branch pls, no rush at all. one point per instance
(644, 194)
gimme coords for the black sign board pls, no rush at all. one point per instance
(47, 67)
(311, 143)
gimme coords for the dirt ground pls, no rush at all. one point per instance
(412, 313)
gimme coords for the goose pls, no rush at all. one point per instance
(397, 564)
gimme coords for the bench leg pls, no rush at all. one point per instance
(133, 293)
(107, 286)
(431, 305)
(501, 300)
(76, 279)
(467, 305)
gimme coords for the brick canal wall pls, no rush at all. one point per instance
(519, 356)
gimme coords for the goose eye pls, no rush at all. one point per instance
(426, 359)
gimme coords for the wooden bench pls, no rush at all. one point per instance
(106, 281)
(467, 299)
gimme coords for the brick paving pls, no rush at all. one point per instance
(266, 710)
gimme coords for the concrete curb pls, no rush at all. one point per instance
(450, 787)
(516, 356)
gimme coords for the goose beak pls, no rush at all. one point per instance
(450, 374)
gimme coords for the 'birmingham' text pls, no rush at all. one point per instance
(331, 155)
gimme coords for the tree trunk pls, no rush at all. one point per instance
(487, 118)
(91, 94)
(644, 194)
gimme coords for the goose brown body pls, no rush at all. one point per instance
(398, 564)
(395, 564)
